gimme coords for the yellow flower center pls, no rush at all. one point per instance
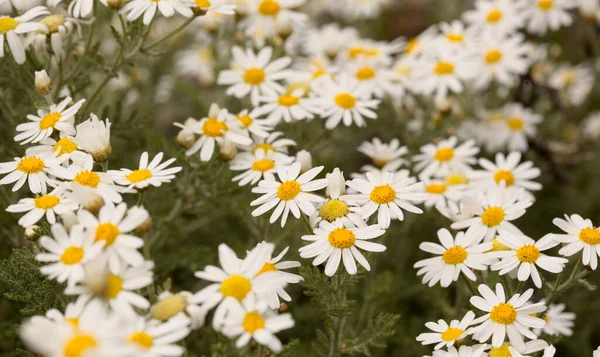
(168, 307)
(253, 322)
(236, 286)
(503, 314)
(436, 188)
(87, 178)
(318, 73)
(333, 209)
(138, 175)
(493, 56)
(455, 255)
(7, 24)
(212, 127)
(288, 190)
(115, 285)
(73, 321)
(345, 100)
(383, 194)
(304, 86)
(515, 124)
(77, 345)
(412, 44)
(545, 5)
(456, 179)
(263, 165)
(254, 76)
(501, 351)
(444, 154)
(506, 176)
(49, 120)
(266, 147)
(53, 22)
(492, 216)
(142, 339)
(341, 238)
(64, 146)
(528, 254)
(72, 255)
(365, 73)
(451, 334)
(46, 201)
(498, 246)
(107, 232)
(288, 100)
(267, 268)
(590, 235)
(246, 120)
(444, 68)
(269, 7)
(494, 16)
(204, 4)
(455, 37)
(30, 165)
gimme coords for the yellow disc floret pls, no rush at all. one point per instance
(53, 22)
(267, 267)
(7, 24)
(501, 351)
(365, 73)
(494, 16)
(236, 286)
(455, 255)
(246, 120)
(456, 179)
(503, 313)
(107, 232)
(528, 254)
(138, 175)
(168, 307)
(435, 188)
(263, 165)
(451, 334)
(253, 322)
(333, 209)
(493, 56)
(492, 216)
(590, 235)
(288, 100)
(79, 344)
(266, 147)
(444, 154)
(30, 165)
(288, 190)
(345, 100)
(254, 76)
(87, 178)
(545, 5)
(341, 238)
(72, 255)
(46, 202)
(444, 68)
(383, 194)
(213, 127)
(515, 124)
(269, 7)
(142, 339)
(49, 120)
(114, 286)
(506, 176)
(64, 146)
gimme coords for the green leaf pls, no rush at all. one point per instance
(373, 336)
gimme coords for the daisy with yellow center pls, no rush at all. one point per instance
(454, 256)
(455, 35)
(50, 205)
(148, 338)
(444, 334)
(222, 7)
(287, 107)
(501, 59)
(575, 82)
(170, 305)
(521, 123)
(252, 123)
(148, 8)
(445, 157)
(292, 194)
(497, 18)
(154, 173)
(385, 156)
(440, 192)
(275, 142)
(544, 15)
(32, 169)
(64, 146)
(375, 76)
(443, 74)
(100, 183)
(558, 321)
(258, 165)
(333, 243)
(509, 170)
(502, 316)
(11, 29)
(580, 235)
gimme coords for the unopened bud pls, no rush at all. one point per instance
(69, 220)
(144, 226)
(103, 155)
(228, 150)
(283, 308)
(168, 307)
(43, 83)
(94, 203)
(115, 4)
(198, 11)
(185, 139)
(337, 185)
(284, 29)
(31, 233)
(305, 159)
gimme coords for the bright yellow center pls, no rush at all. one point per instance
(53, 22)
(115, 285)
(269, 7)
(266, 147)
(49, 120)
(341, 238)
(87, 178)
(444, 154)
(213, 128)
(590, 235)
(263, 165)
(345, 100)
(492, 216)
(46, 201)
(7, 24)
(288, 100)
(168, 307)
(444, 68)
(254, 76)
(77, 345)
(506, 176)
(138, 175)
(503, 314)
(304, 86)
(528, 254)
(72, 255)
(253, 322)
(64, 146)
(288, 190)
(456, 179)
(501, 351)
(545, 5)
(436, 188)
(142, 339)
(107, 232)
(494, 16)
(30, 165)
(333, 209)
(365, 73)
(246, 120)
(455, 37)
(493, 56)
(498, 246)
(236, 286)
(411, 45)
(455, 255)
(515, 124)
(383, 194)
(318, 73)
(267, 268)
(204, 4)
(451, 334)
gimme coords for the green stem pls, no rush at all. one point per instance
(141, 197)
(507, 285)
(260, 351)
(573, 277)
(86, 49)
(520, 287)
(169, 35)
(470, 285)
(306, 223)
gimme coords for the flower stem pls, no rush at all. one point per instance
(169, 35)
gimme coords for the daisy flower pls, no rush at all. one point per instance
(510, 170)
(34, 170)
(251, 124)
(502, 318)
(439, 193)
(521, 123)
(273, 142)
(134, 9)
(332, 242)
(58, 29)
(222, 7)
(525, 254)
(458, 255)
(462, 351)
(170, 305)
(558, 321)
(291, 194)
(403, 74)
(358, 9)
(11, 28)
(329, 40)
(65, 146)
(79, 8)
(497, 207)
(575, 82)
(443, 73)
(287, 107)
(57, 117)
(581, 234)
(254, 74)
(265, 17)
(455, 35)
(498, 17)
(548, 14)
(148, 174)
(387, 194)
(345, 100)
(93, 137)
(445, 334)
(50, 205)
(378, 78)
(72, 314)
(445, 157)
(199, 63)
(151, 339)
(422, 43)
(506, 349)
(376, 52)
(336, 208)
(385, 156)
(258, 165)
(251, 320)
(101, 182)
(114, 228)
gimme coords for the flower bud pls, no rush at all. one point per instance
(337, 185)
(305, 159)
(115, 4)
(31, 233)
(103, 155)
(146, 224)
(185, 139)
(228, 150)
(168, 307)
(43, 83)
(69, 220)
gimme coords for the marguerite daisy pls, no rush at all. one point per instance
(336, 208)
(34, 170)
(101, 182)
(581, 234)
(445, 157)
(386, 156)
(148, 174)
(11, 29)
(151, 339)
(136, 8)
(558, 321)
(544, 15)
(252, 124)
(497, 17)
(170, 305)
(258, 165)
(510, 170)
(50, 205)
(445, 334)
(287, 107)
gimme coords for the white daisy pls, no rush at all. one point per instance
(403, 74)
(266, 17)
(443, 73)
(148, 174)
(65, 146)
(252, 124)
(498, 17)
(558, 321)
(134, 9)
(329, 40)
(548, 14)
(376, 52)
(581, 234)
(332, 242)
(151, 339)
(170, 305)
(385, 156)
(273, 142)
(462, 351)
(291, 194)
(502, 318)
(445, 334)
(456, 35)
(258, 165)
(57, 117)
(34, 170)
(521, 123)
(575, 82)
(79, 8)
(11, 28)
(287, 107)
(458, 255)
(445, 157)
(379, 79)
(223, 7)
(58, 29)
(73, 312)
(440, 193)
(101, 182)
(50, 205)
(510, 170)
(531, 347)
(93, 136)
